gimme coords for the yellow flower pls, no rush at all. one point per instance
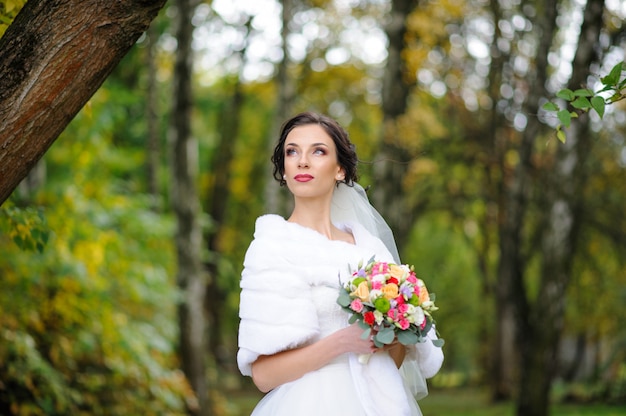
(396, 271)
(424, 296)
(390, 291)
(362, 292)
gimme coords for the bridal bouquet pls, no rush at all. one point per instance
(389, 301)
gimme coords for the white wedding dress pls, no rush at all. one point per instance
(290, 285)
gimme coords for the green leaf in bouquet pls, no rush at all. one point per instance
(385, 336)
(429, 324)
(354, 318)
(344, 299)
(407, 338)
(438, 342)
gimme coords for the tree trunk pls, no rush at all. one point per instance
(511, 300)
(53, 58)
(392, 165)
(540, 342)
(503, 359)
(217, 204)
(191, 277)
(152, 122)
(284, 99)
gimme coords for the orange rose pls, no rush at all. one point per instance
(424, 296)
(390, 291)
(396, 271)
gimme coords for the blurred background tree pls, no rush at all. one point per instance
(521, 237)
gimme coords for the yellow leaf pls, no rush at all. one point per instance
(10, 5)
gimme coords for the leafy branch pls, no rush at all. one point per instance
(585, 100)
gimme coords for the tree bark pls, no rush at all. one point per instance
(393, 159)
(545, 319)
(53, 58)
(511, 298)
(190, 277)
(284, 101)
(503, 360)
(152, 121)
(217, 203)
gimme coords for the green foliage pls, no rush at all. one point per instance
(27, 227)
(8, 10)
(89, 324)
(585, 100)
(445, 262)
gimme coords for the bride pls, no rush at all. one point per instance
(294, 339)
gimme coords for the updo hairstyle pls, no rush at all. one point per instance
(346, 154)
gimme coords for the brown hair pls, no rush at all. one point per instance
(346, 154)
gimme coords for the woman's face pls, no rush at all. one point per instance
(311, 166)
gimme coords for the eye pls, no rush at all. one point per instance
(290, 151)
(319, 151)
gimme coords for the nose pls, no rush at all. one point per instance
(303, 162)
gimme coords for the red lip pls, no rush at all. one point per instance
(303, 178)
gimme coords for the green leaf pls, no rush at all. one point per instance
(407, 338)
(566, 94)
(582, 103)
(564, 117)
(344, 299)
(550, 106)
(19, 241)
(438, 342)
(598, 104)
(613, 78)
(583, 93)
(385, 335)
(560, 134)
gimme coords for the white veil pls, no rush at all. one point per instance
(350, 203)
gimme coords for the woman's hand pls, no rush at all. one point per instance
(352, 336)
(351, 340)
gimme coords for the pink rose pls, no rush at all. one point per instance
(356, 305)
(404, 323)
(380, 268)
(393, 314)
(403, 308)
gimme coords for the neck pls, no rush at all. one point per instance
(313, 214)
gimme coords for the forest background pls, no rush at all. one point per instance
(122, 248)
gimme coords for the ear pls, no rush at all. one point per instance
(341, 174)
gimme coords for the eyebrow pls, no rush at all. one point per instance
(313, 145)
